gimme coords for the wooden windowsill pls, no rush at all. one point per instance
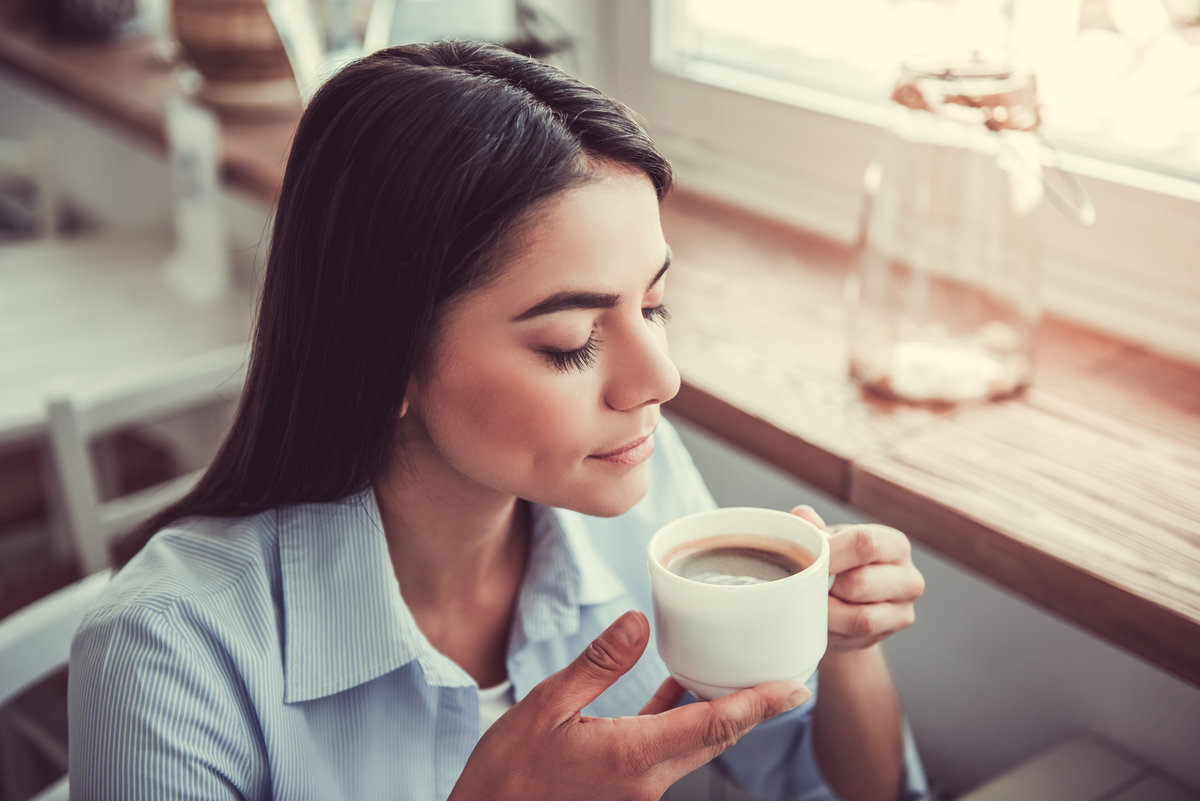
(1082, 495)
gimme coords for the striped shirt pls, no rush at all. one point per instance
(274, 657)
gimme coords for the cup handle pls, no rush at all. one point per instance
(1072, 199)
(828, 535)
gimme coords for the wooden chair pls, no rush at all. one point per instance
(35, 641)
(78, 418)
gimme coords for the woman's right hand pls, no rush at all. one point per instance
(543, 748)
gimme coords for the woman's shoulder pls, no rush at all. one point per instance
(175, 651)
(193, 565)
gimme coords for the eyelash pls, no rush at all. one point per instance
(657, 314)
(582, 358)
(575, 359)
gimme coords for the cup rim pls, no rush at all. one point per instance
(821, 560)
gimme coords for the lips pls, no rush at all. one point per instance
(630, 454)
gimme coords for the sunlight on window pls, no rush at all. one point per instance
(1119, 79)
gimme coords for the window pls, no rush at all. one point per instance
(1118, 79)
(777, 106)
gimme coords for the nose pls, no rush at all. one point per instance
(640, 371)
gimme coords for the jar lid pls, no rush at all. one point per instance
(992, 89)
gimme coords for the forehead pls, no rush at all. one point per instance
(604, 235)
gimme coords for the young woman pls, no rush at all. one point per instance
(428, 521)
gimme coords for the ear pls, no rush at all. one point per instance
(412, 395)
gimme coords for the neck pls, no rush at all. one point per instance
(445, 548)
(459, 553)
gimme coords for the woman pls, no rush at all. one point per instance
(435, 497)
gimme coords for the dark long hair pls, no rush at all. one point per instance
(411, 171)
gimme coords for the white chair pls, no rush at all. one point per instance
(77, 418)
(35, 642)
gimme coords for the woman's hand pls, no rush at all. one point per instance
(543, 748)
(875, 583)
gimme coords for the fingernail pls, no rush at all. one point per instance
(798, 697)
(627, 630)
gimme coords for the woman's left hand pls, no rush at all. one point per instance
(875, 582)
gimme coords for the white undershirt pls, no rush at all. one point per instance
(494, 702)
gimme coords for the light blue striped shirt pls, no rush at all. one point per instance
(274, 657)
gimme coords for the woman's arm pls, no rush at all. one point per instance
(858, 726)
(155, 713)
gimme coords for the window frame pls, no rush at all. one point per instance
(1133, 274)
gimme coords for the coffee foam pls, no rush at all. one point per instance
(737, 559)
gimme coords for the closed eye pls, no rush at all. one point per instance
(656, 314)
(580, 358)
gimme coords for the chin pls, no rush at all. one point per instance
(617, 500)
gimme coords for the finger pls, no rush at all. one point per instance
(840, 644)
(868, 621)
(667, 697)
(876, 583)
(852, 546)
(810, 514)
(708, 728)
(605, 660)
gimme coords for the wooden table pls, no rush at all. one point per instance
(90, 309)
(1082, 495)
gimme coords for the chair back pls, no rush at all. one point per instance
(76, 418)
(35, 641)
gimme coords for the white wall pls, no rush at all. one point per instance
(987, 678)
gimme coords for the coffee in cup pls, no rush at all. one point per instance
(740, 598)
(736, 559)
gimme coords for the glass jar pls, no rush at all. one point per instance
(944, 296)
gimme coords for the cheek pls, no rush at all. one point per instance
(525, 414)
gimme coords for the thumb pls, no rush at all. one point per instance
(605, 660)
(698, 732)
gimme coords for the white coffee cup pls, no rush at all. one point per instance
(719, 638)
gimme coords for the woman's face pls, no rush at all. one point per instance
(546, 383)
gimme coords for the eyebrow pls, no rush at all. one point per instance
(571, 300)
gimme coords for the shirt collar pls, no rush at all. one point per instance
(565, 573)
(345, 622)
